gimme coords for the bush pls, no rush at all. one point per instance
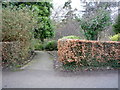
(71, 37)
(51, 45)
(115, 37)
(17, 26)
(116, 26)
(39, 47)
(14, 55)
(89, 54)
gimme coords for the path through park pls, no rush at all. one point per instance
(39, 73)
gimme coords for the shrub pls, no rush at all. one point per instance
(51, 45)
(89, 53)
(39, 47)
(17, 26)
(115, 37)
(42, 10)
(116, 26)
(71, 37)
(14, 55)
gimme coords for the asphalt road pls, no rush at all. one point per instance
(40, 74)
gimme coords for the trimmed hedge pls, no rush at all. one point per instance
(14, 54)
(71, 37)
(89, 53)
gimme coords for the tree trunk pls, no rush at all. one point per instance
(42, 40)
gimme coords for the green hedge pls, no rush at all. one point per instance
(71, 37)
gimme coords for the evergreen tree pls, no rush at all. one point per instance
(116, 26)
(43, 12)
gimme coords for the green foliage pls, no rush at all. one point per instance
(115, 37)
(116, 26)
(51, 45)
(42, 10)
(39, 47)
(47, 45)
(70, 66)
(95, 24)
(46, 28)
(17, 26)
(71, 37)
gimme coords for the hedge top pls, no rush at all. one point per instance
(91, 41)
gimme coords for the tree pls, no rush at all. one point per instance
(116, 29)
(116, 26)
(64, 13)
(43, 12)
(96, 18)
(46, 29)
(92, 7)
(64, 18)
(95, 23)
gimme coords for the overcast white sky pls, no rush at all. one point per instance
(79, 5)
(75, 4)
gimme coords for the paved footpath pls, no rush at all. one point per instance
(39, 73)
